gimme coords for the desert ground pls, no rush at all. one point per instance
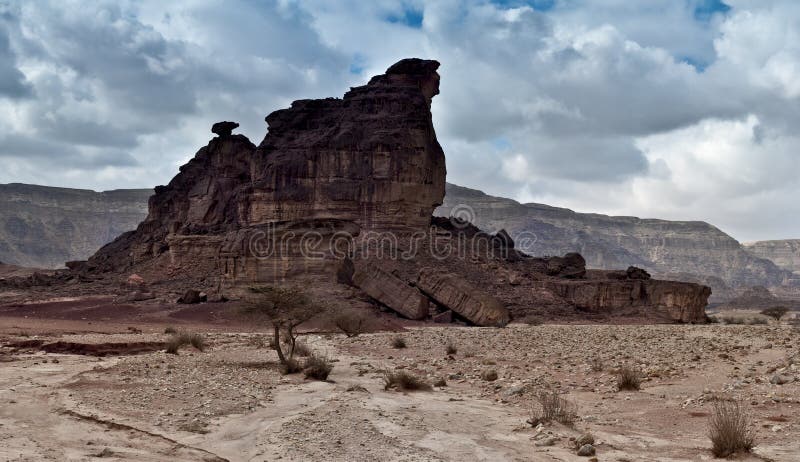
(105, 389)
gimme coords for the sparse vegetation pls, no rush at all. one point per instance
(402, 380)
(290, 366)
(285, 309)
(350, 322)
(743, 320)
(730, 429)
(629, 379)
(451, 349)
(317, 367)
(776, 312)
(170, 330)
(183, 339)
(552, 407)
(301, 349)
(399, 342)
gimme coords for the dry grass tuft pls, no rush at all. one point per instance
(629, 378)
(730, 429)
(317, 367)
(402, 380)
(553, 407)
(180, 340)
(399, 342)
(291, 366)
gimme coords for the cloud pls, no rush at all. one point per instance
(12, 82)
(678, 109)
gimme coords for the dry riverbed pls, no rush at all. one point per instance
(230, 403)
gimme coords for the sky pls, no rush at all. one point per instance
(673, 109)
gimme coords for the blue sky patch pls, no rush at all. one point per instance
(410, 17)
(706, 9)
(539, 5)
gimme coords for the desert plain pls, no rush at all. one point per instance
(103, 388)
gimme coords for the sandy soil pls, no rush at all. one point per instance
(230, 403)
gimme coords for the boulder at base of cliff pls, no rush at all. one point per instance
(454, 293)
(390, 290)
(193, 296)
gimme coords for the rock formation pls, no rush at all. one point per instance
(342, 191)
(367, 162)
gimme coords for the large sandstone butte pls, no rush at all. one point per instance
(364, 172)
(368, 161)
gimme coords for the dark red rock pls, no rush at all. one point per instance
(224, 128)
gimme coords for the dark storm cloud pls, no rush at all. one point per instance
(12, 81)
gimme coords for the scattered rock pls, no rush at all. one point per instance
(587, 450)
(192, 296)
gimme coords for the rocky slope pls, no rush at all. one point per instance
(784, 253)
(691, 251)
(44, 226)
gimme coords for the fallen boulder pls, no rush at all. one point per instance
(454, 293)
(390, 290)
(193, 296)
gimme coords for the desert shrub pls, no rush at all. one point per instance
(757, 320)
(317, 367)
(776, 312)
(489, 375)
(402, 380)
(301, 349)
(552, 407)
(451, 349)
(170, 330)
(730, 429)
(399, 342)
(629, 378)
(179, 340)
(596, 363)
(350, 322)
(290, 366)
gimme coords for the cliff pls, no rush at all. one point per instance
(784, 253)
(44, 227)
(689, 250)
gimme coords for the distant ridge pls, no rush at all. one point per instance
(687, 250)
(43, 226)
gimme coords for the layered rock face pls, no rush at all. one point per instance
(691, 250)
(784, 253)
(369, 161)
(44, 227)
